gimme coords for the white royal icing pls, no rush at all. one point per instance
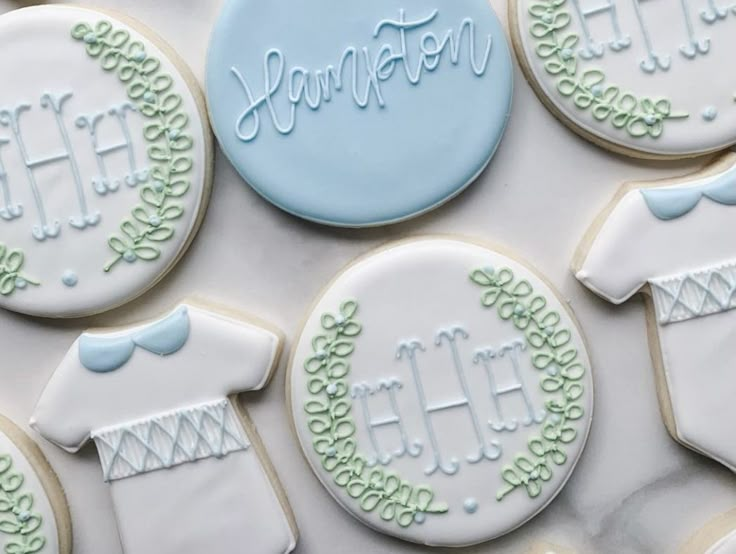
(442, 392)
(726, 545)
(695, 294)
(166, 433)
(167, 440)
(624, 71)
(688, 261)
(81, 161)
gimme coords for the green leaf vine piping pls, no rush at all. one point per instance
(331, 423)
(11, 276)
(552, 354)
(169, 145)
(640, 117)
(17, 518)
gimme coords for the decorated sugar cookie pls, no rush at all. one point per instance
(34, 517)
(643, 78)
(671, 240)
(441, 391)
(717, 537)
(363, 115)
(104, 160)
(157, 400)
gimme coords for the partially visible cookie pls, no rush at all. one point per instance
(34, 516)
(105, 160)
(718, 536)
(645, 79)
(671, 241)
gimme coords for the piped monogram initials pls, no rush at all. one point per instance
(501, 418)
(694, 42)
(47, 225)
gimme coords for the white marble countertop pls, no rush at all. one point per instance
(635, 491)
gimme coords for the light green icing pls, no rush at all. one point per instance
(18, 521)
(639, 116)
(331, 423)
(11, 277)
(169, 146)
(554, 355)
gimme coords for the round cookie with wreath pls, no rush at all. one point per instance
(646, 79)
(105, 158)
(441, 391)
(34, 516)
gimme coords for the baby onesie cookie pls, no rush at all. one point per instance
(34, 517)
(717, 537)
(441, 391)
(158, 401)
(671, 240)
(647, 79)
(105, 158)
(363, 115)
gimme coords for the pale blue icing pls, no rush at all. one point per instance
(11, 117)
(69, 278)
(673, 202)
(103, 354)
(448, 464)
(361, 392)
(102, 183)
(470, 505)
(379, 144)
(710, 113)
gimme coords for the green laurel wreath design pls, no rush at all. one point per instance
(552, 354)
(169, 146)
(331, 423)
(640, 117)
(17, 518)
(11, 276)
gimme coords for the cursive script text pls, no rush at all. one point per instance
(359, 69)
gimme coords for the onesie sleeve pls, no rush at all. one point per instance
(615, 263)
(64, 413)
(241, 353)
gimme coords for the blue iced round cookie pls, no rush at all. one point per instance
(359, 113)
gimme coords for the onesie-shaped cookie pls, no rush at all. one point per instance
(673, 241)
(184, 464)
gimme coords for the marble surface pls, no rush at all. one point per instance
(635, 491)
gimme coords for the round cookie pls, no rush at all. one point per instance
(105, 160)
(364, 115)
(646, 79)
(34, 516)
(717, 537)
(441, 391)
